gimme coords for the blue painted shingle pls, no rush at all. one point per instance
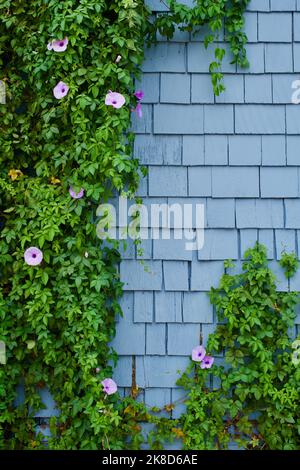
(176, 275)
(197, 308)
(266, 238)
(244, 150)
(258, 89)
(275, 27)
(156, 339)
(142, 125)
(143, 307)
(157, 397)
(149, 83)
(199, 181)
(158, 150)
(199, 58)
(282, 87)
(234, 92)
(251, 26)
(235, 182)
(283, 5)
(285, 242)
(220, 213)
(256, 58)
(167, 181)
(182, 338)
(206, 274)
(178, 119)
(259, 119)
(279, 58)
(173, 248)
(258, 5)
(282, 284)
(130, 338)
(292, 210)
(189, 206)
(216, 150)
(162, 371)
(292, 119)
(296, 57)
(202, 90)
(193, 150)
(138, 277)
(165, 57)
(279, 182)
(219, 244)
(293, 150)
(296, 26)
(248, 238)
(273, 150)
(259, 213)
(175, 88)
(218, 119)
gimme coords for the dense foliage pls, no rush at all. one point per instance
(58, 318)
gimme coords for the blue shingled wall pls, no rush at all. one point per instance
(239, 155)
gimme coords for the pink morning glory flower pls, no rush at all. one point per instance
(138, 110)
(198, 353)
(76, 195)
(61, 90)
(33, 256)
(139, 94)
(58, 45)
(109, 386)
(207, 362)
(114, 99)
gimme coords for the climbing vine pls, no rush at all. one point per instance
(252, 396)
(214, 17)
(69, 69)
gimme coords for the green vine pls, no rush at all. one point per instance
(66, 147)
(254, 398)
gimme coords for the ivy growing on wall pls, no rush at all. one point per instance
(69, 69)
(215, 20)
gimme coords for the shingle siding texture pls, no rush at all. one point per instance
(237, 154)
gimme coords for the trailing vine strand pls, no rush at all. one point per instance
(69, 70)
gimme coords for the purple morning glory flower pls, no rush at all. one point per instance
(138, 110)
(109, 386)
(207, 362)
(139, 94)
(198, 353)
(76, 195)
(114, 99)
(33, 256)
(61, 90)
(58, 45)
